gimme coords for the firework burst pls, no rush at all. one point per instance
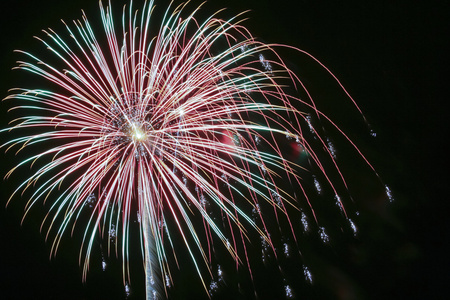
(171, 125)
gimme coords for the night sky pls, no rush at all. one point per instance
(390, 55)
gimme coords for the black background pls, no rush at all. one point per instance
(391, 55)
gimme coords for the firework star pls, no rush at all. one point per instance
(167, 120)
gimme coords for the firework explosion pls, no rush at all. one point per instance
(170, 125)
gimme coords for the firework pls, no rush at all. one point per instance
(169, 121)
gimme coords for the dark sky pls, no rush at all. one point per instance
(390, 55)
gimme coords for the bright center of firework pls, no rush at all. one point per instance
(137, 133)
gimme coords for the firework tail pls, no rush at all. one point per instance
(152, 276)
